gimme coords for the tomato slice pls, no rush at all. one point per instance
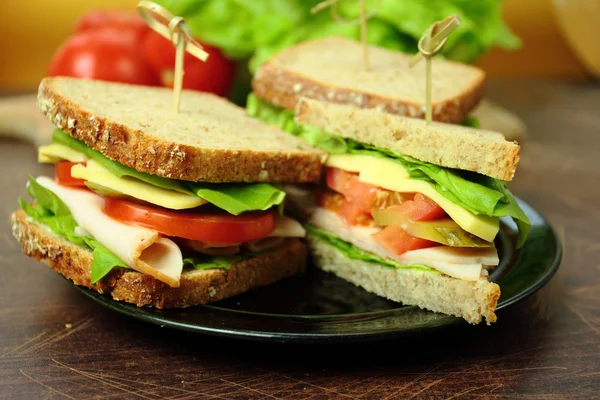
(369, 197)
(421, 208)
(347, 183)
(394, 239)
(364, 195)
(347, 210)
(206, 227)
(62, 174)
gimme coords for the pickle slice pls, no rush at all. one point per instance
(444, 231)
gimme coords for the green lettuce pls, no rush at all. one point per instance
(355, 253)
(202, 262)
(472, 122)
(49, 210)
(477, 193)
(232, 197)
(284, 119)
(236, 198)
(256, 30)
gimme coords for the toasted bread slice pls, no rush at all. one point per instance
(331, 69)
(196, 287)
(446, 145)
(210, 140)
(435, 292)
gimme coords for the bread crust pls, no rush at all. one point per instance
(276, 83)
(450, 146)
(74, 262)
(145, 152)
(471, 301)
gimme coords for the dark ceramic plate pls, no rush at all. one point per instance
(319, 307)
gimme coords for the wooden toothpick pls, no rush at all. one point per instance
(430, 44)
(363, 34)
(362, 21)
(174, 29)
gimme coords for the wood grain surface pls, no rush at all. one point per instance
(56, 344)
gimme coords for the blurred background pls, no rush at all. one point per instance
(557, 36)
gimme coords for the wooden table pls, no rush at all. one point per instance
(55, 343)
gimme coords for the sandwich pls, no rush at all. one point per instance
(161, 209)
(407, 210)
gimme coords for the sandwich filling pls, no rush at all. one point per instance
(393, 210)
(154, 225)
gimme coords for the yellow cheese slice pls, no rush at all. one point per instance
(55, 152)
(366, 165)
(390, 175)
(96, 174)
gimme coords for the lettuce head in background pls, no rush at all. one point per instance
(252, 31)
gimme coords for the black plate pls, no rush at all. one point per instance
(319, 307)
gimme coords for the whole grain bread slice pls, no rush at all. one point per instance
(446, 145)
(210, 140)
(331, 69)
(472, 301)
(197, 287)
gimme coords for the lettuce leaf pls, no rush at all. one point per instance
(49, 210)
(284, 119)
(353, 252)
(232, 197)
(203, 262)
(256, 30)
(240, 27)
(475, 192)
(104, 260)
(471, 121)
(236, 198)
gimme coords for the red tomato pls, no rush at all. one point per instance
(213, 227)
(394, 239)
(103, 54)
(128, 23)
(347, 210)
(214, 76)
(421, 208)
(62, 174)
(347, 183)
(426, 209)
(364, 195)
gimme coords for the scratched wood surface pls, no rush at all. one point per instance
(55, 343)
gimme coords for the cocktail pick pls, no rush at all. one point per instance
(174, 29)
(430, 44)
(362, 20)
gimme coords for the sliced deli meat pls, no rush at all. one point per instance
(142, 249)
(462, 263)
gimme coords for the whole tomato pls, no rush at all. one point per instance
(129, 24)
(104, 54)
(215, 75)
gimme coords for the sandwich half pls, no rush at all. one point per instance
(410, 211)
(162, 209)
(407, 210)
